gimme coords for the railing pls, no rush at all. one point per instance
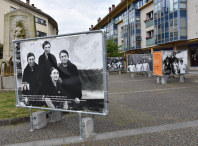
(149, 23)
(149, 41)
(121, 34)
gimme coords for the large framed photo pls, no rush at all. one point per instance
(172, 62)
(139, 63)
(115, 63)
(66, 72)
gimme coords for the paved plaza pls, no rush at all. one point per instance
(141, 112)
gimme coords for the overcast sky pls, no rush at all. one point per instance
(75, 15)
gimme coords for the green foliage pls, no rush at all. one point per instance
(113, 49)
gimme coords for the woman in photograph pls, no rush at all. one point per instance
(25, 90)
(175, 66)
(145, 66)
(131, 67)
(139, 66)
(182, 67)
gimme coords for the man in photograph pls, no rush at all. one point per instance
(31, 74)
(182, 67)
(71, 85)
(46, 62)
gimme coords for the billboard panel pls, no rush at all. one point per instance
(157, 63)
(175, 62)
(65, 72)
(139, 63)
(115, 63)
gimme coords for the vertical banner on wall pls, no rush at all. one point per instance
(157, 63)
(64, 72)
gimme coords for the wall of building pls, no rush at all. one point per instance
(120, 29)
(5, 8)
(144, 30)
(192, 17)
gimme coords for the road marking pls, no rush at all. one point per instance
(129, 81)
(110, 135)
(153, 90)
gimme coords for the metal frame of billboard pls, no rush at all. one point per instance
(162, 61)
(136, 54)
(105, 110)
(117, 69)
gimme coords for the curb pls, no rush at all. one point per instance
(8, 122)
(7, 90)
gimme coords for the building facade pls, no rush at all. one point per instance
(144, 26)
(45, 24)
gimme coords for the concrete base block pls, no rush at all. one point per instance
(8, 82)
(39, 119)
(181, 78)
(146, 74)
(88, 128)
(164, 80)
(132, 75)
(1, 82)
(107, 73)
(119, 72)
(55, 116)
(158, 80)
(149, 74)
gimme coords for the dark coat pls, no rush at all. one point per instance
(45, 66)
(54, 91)
(71, 85)
(32, 77)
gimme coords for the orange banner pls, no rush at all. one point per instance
(157, 63)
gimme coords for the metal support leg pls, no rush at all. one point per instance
(93, 117)
(31, 121)
(80, 124)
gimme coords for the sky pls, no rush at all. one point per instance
(75, 15)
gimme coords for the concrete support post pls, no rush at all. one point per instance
(158, 80)
(164, 80)
(181, 78)
(146, 74)
(107, 73)
(132, 75)
(150, 74)
(31, 121)
(119, 72)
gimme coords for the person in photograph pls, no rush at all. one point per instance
(54, 89)
(175, 66)
(25, 90)
(46, 62)
(182, 67)
(145, 66)
(139, 66)
(31, 74)
(71, 84)
(167, 66)
(131, 67)
(119, 64)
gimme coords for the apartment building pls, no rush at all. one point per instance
(45, 24)
(144, 26)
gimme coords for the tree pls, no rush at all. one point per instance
(113, 49)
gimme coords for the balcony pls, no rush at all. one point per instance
(149, 23)
(150, 41)
(121, 34)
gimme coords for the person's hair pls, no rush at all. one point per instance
(29, 55)
(45, 43)
(63, 51)
(51, 69)
(25, 86)
(181, 60)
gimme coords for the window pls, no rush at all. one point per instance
(40, 21)
(183, 22)
(175, 33)
(171, 6)
(40, 34)
(175, 23)
(183, 32)
(12, 9)
(171, 28)
(183, 6)
(175, 7)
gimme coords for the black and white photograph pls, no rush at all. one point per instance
(175, 62)
(65, 72)
(139, 63)
(115, 63)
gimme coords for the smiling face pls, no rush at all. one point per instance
(64, 58)
(47, 48)
(31, 61)
(54, 75)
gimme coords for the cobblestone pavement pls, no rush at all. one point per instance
(134, 103)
